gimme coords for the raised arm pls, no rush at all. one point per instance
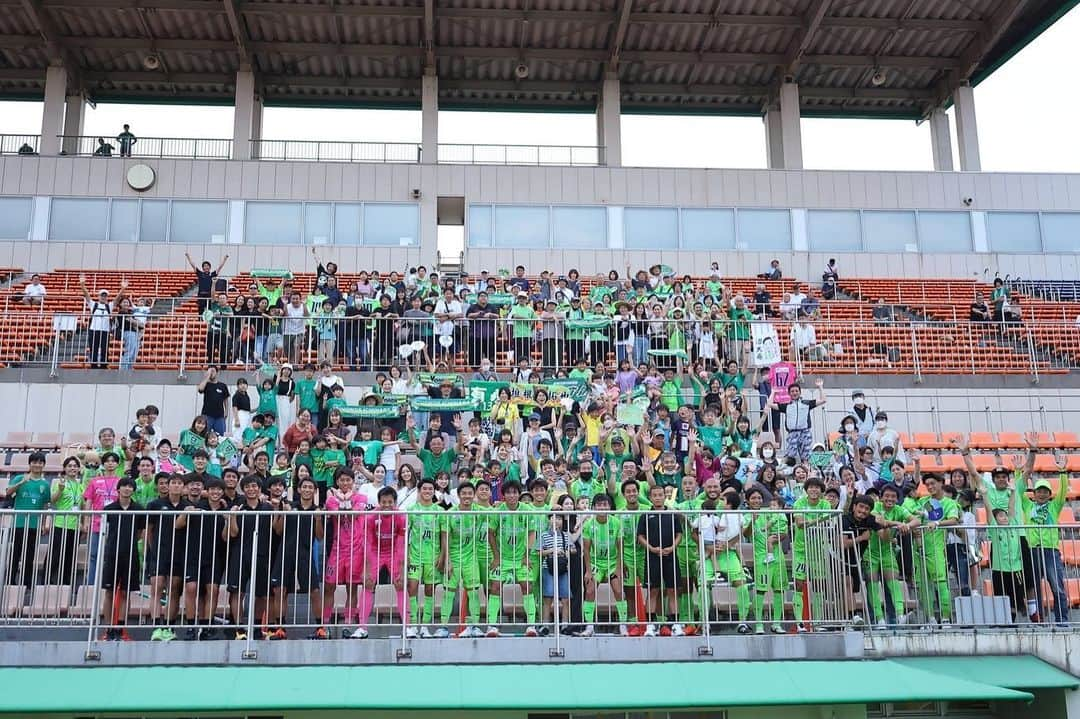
(187, 256)
(221, 265)
(961, 444)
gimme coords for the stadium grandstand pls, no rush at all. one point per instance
(746, 442)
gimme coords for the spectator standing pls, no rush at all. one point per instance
(31, 492)
(215, 395)
(127, 141)
(204, 280)
(797, 420)
(100, 327)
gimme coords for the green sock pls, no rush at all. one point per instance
(429, 608)
(896, 591)
(686, 608)
(817, 606)
(474, 606)
(777, 606)
(742, 601)
(944, 599)
(797, 604)
(530, 608)
(588, 610)
(494, 605)
(446, 608)
(759, 606)
(873, 594)
(414, 610)
(620, 609)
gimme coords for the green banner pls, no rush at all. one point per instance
(669, 353)
(484, 393)
(432, 378)
(434, 404)
(370, 411)
(631, 415)
(276, 274)
(588, 323)
(500, 298)
(575, 389)
(226, 450)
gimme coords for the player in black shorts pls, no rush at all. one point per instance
(659, 533)
(248, 551)
(125, 521)
(294, 568)
(206, 526)
(165, 543)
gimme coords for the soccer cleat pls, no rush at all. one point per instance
(946, 622)
(442, 633)
(677, 630)
(492, 632)
(759, 628)
(319, 633)
(624, 631)
(360, 633)
(777, 628)
(636, 631)
(240, 635)
(857, 620)
(123, 636)
(544, 630)
(477, 633)
(692, 630)
(665, 631)
(743, 628)
(167, 634)
(425, 633)
(531, 632)
(158, 635)
(800, 628)
(590, 630)
(882, 624)
(650, 631)
(410, 633)
(109, 636)
(208, 634)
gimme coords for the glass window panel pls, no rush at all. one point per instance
(347, 224)
(153, 220)
(834, 230)
(195, 221)
(1013, 231)
(708, 229)
(124, 221)
(889, 231)
(386, 224)
(647, 228)
(579, 227)
(521, 227)
(15, 218)
(479, 226)
(1061, 231)
(945, 231)
(272, 223)
(764, 229)
(80, 220)
(317, 223)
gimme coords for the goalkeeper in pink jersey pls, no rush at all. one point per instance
(345, 561)
(385, 542)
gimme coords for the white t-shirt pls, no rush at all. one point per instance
(293, 324)
(803, 335)
(446, 327)
(707, 526)
(34, 290)
(100, 313)
(388, 456)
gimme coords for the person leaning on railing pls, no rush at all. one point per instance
(1041, 513)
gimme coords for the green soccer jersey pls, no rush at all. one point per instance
(433, 464)
(305, 391)
(371, 448)
(643, 494)
(764, 525)
(589, 489)
(691, 510)
(512, 532)
(633, 553)
(70, 498)
(483, 529)
(604, 539)
(425, 528)
(523, 317)
(1005, 549)
(462, 535)
(810, 511)
(936, 510)
(34, 494)
(326, 462)
(1045, 516)
(145, 492)
(877, 546)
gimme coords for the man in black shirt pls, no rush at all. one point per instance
(230, 478)
(763, 302)
(293, 567)
(248, 552)
(206, 526)
(167, 543)
(215, 394)
(204, 280)
(125, 522)
(659, 533)
(383, 346)
(481, 318)
(858, 526)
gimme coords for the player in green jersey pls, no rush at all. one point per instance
(427, 556)
(687, 553)
(766, 530)
(880, 559)
(809, 509)
(482, 503)
(931, 569)
(510, 538)
(602, 547)
(462, 572)
(633, 553)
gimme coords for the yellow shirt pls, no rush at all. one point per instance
(592, 430)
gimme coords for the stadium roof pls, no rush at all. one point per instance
(882, 58)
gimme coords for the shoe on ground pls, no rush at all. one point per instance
(545, 630)
(624, 631)
(801, 628)
(590, 630)
(759, 628)
(665, 631)
(410, 633)
(477, 633)
(637, 631)
(158, 635)
(278, 634)
(192, 634)
(857, 620)
(319, 633)
(946, 622)
(778, 628)
(425, 633)
(240, 635)
(123, 636)
(692, 630)
(650, 631)
(882, 624)
(442, 633)
(531, 632)
(743, 628)
(677, 630)
(492, 632)
(360, 633)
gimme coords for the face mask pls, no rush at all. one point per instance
(586, 476)
(849, 427)
(767, 453)
(880, 424)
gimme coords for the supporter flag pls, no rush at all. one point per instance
(766, 344)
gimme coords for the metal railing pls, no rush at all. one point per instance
(571, 155)
(551, 346)
(197, 148)
(354, 571)
(335, 151)
(19, 144)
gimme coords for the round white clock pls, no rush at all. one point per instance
(140, 177)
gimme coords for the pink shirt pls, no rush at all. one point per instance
(386, 533)
(99, 492)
